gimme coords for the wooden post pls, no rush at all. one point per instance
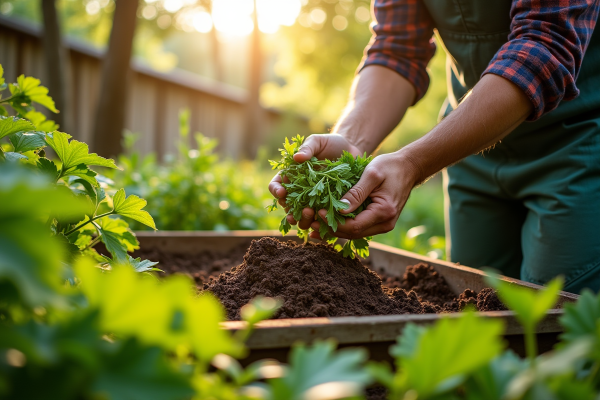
(254, 112)
(57, 67)
(110, 114)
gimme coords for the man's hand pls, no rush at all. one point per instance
(323, 146)
(388, 180)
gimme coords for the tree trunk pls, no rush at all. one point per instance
(254, 112)
(57, 67)
(110, 114)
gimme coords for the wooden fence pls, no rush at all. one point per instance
(154, 101)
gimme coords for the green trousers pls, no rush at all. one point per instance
(530, 207)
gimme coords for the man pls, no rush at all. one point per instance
(520, 87)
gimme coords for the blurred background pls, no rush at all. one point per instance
(194, 96)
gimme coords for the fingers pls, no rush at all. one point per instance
(308, 216)
(311, 147)
(276, 189)
(376, 218)
(358, 193)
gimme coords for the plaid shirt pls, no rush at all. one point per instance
(542, 56)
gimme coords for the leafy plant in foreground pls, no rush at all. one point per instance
(320, 184)
(92, 221)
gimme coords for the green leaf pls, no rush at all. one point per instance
(13, 157)
(74, 152)
(319, 364)
(408, 342)
(12, 125)
(456, 347)
(41, 123)
(23, 142)
(114, 246)
(129, 304)
(491, 382)
(529, 305)
(142, 266)
(31, 88)
(137, 372)
(120, 228)
(131, 207)
(31, 259)
(2, 82)
(83, 172)
(581, 318)
(48, 167)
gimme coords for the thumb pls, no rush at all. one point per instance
(311, 147)
(358, 193)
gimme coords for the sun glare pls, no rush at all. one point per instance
(234, 17)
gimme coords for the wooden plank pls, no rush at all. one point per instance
(379, 328)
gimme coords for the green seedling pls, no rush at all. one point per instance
(320, 184)
(530, 305)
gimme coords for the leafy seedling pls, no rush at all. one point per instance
(320, 184)
(529, 305)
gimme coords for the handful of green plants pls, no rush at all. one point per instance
(320, 184)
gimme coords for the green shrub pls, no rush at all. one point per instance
(196, 190)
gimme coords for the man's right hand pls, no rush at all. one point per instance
(323, 146)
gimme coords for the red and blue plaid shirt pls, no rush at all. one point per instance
(542, 56)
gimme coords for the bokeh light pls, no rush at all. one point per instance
(234, 17)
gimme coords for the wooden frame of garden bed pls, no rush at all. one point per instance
(273, 338)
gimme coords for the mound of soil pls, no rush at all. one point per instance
(315, 281)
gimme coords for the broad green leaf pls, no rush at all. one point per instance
(131, 207)
(83, 172)
(142, 265)
(114, 246)
(491, 382)
(31, 259)
(73, 153)
(31, 88)
(23, 142)
(581, 319)
(129, 304)
(120, 228)
(529, 305)
(456, 347)
(408, 341)
(12, 125)
(2, 82)
(41, 123)
(137, 372)
(550, 366)
(48, 167)
(11, 156)
(321, 364)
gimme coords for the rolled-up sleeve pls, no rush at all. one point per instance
(545, 49)
(402, 41)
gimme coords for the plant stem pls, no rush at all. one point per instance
(531, 345)
(87, 222)
(594, 371)
(92, 244)
(6, 100)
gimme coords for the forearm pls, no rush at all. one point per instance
(493, 110)
(378, 100)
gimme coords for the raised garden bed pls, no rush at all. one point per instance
(201, 254)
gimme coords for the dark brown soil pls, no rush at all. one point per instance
(315, 281)
(199, 266)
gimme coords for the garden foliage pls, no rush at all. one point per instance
(320, 184)
(75, 324)
(194, 189)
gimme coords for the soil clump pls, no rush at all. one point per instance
(313, 280)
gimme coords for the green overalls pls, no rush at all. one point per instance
(529, 207)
